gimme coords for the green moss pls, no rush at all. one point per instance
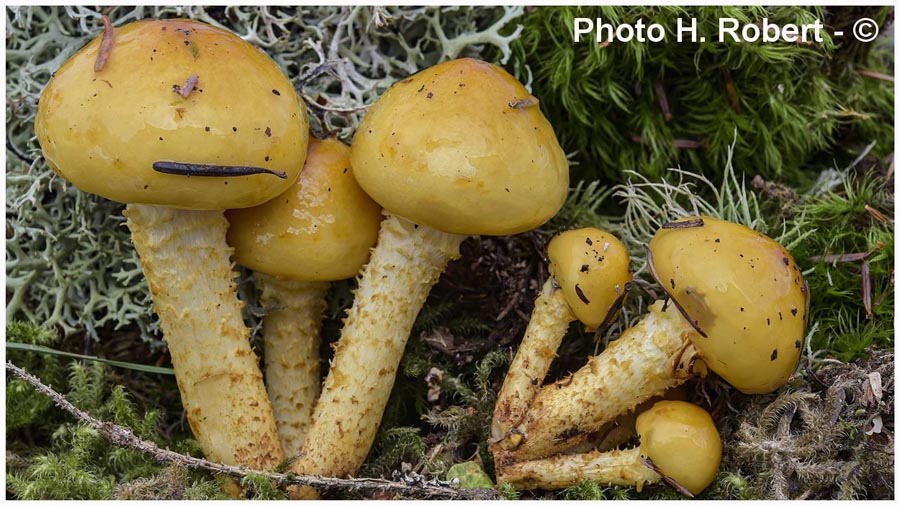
(79, 463)
(508, 492)
(584, 491)
(838, 212)
(393, 446)
(29, 407)
(786, 101)
(731, 486)
(259, 487)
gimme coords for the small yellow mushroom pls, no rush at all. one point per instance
(679, 443)
(592, 268)
(590, 278)
(319, 230)
(744, 294)
(682, 441)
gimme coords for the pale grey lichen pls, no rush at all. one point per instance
(69, 257)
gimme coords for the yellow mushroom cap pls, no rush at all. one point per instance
(592, 268)
(740, 288)
(103, 130)
(320, 229)
(461, 147)
(682, 441)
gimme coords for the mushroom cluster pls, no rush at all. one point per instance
(736, 304)
(151, 115)
(458, 149)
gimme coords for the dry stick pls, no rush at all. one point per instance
(867, 288)
(878, 215)
(663, 99)
(106, 44)
(846, 257)
(876, 75)
(885, 293)
(123, 437)
(678, 143)
(732, 91)
(668, 480)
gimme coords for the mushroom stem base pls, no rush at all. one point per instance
(188, 268)
(549, 321)
(292, 331)
(393, 286)
(645, 361)
(616, 467)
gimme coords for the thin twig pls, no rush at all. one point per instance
(867, 288)
(668, 480)
(15, 150)
(876, 75)
(878, 215)
(106, 44)
(123, 437)
(731, 90)
(678, 143)
(663, 99)
(846, 257)
(189, 85)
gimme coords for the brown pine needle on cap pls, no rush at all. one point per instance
(106, 44)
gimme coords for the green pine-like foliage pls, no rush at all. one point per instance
(50, 456)
(787, 102)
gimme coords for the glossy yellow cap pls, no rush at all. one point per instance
(682, 441)
(743, 290)
(592, 268)
(103, 130)
(461, 147)
(320, 229)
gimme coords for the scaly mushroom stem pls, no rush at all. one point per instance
(549, 321)
(616, 467)
(646, 360)
(292, 335)
(188, 268)
(610, 436)
(393, 286)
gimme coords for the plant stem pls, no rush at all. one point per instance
(123, 437)
(615, 467)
